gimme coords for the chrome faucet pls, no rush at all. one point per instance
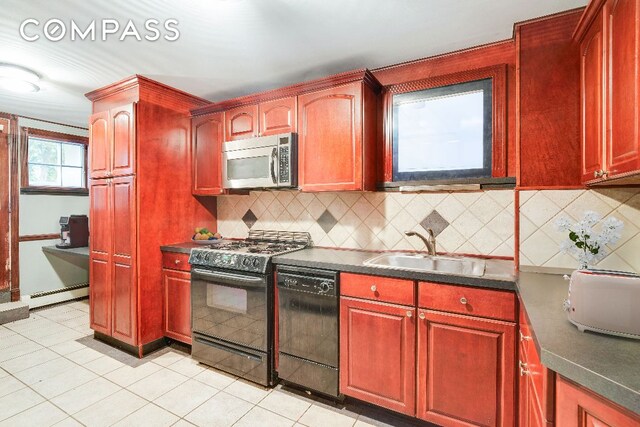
(430, 242)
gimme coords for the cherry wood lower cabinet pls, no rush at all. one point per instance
(578, 407)
(177, 304)
(466, 370)
(377, 353)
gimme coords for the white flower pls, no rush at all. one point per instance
(563, 224)
(591, 218)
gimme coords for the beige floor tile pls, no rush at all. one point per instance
(149, 415)
(58, 338)
(83, 356)
(183, 423)
(17, 402)
(5, 332)
(64, 382)
(76, 322)
(157, 384)
(29, 360)
(285, 404)
(19, 350)
(168, 358)
(3, 373)
(45, 370)
(127, 375)
(68, 422)
(248, 391)
(9, 385)
(261, 417)
(12, 341)
(33, 321)
(215, 378)
(186, 397)
(317, 416)
(110, 410)
(67, 347)
(42, 415)
(44, 330)
(103, 365)
(85, 395)
(221, 410)
(187, 367)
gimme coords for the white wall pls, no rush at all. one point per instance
(39, 214)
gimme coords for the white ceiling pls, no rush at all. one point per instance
(229, 48)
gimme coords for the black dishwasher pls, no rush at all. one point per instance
(308, 312)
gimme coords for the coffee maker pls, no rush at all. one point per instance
(74, 232)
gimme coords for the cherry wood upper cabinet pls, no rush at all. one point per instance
(337, 138)
(466, 370)
(377, 353)
(99, 145)
(207, 137)
(592, 89)
(123, 140)
(610, 91)
(241, 122)
(277, 116)
(578, 407)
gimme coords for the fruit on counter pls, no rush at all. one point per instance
(202, 233)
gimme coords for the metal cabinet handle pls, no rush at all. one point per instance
(523, 369)
(422, 316)
(177, 261)
(463, 300)
(524, 337)
(373, 288)
(409, 314)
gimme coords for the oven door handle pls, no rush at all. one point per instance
(229, 349)
(233, 279)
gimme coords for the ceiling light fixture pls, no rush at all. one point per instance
(18, 79)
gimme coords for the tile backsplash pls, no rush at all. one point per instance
(475, 223)
(540, 242)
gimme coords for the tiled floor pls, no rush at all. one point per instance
(52, 372)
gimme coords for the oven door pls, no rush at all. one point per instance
(231, 307)
(250, 168)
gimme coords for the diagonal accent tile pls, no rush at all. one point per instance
(435, 221)
(249, 218)
(327, 221)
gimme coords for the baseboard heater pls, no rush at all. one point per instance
(54, 296)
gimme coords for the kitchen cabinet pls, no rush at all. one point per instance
(377, 353)
(112, 139)
(139, 200)
(576, 406)
(112, 261)
(176, 282)
(610, 92)
(337, 135)
(536, 386)
(241, 122)
(277, 116)
(465, 364)
(207, 137)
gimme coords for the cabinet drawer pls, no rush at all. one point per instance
(465, 300)
(376, 288)
(176, 261)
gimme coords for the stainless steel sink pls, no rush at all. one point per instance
(439, 264)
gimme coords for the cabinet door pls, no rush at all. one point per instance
(241, 122)
(99, 145)
(330, 139)
(177, 305)
(377, 353)
(622, 153)
(123, 268)
(466, 370)
(278, 116)
(123, 140)
(99, 256)
(577, 407)
(207, 136)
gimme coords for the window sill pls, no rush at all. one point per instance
(484, 183)
(55, 191)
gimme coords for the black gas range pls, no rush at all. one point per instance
(232, 302)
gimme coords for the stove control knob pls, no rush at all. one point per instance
(325, 287)
(246, 262)
(256, 262)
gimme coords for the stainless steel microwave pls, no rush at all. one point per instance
(263, 162)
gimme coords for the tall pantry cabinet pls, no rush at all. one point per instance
(140, 198)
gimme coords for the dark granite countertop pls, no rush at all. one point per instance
(608, 365)
(499, 274)
(82, 252)
(184, 247)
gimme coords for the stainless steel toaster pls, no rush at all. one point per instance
(605, 301)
